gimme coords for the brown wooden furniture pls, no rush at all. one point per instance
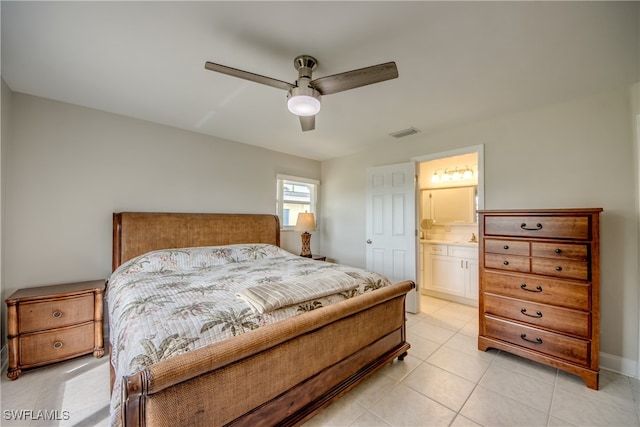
(278, 374)
(49, 324)
(540, 287)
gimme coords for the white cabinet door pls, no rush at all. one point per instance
(445, 274)
(451, 270)
(471, 278)
(422, 280)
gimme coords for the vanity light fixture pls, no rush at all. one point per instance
(454, 174)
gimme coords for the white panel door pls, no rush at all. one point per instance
(391, 225)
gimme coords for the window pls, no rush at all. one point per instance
(295, 195)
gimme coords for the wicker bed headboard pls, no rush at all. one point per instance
(135, 233)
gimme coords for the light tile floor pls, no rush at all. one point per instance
(445, 381)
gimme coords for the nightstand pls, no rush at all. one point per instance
(49, 324)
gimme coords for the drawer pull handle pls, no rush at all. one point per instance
(505, 247)
(537, 315)
(505, 262)
(524, 227)
(558, 251)
(57, 345)
(558, 268)
(536, 342)
(524, 288)
(57, 314)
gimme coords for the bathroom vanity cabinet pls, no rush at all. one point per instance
(450, 269)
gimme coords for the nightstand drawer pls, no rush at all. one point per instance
(59, 344)
(54, 313)
(47, 324)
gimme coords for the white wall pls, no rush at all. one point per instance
(5, 109)
(68, 168)
(575, 154)
(635, 120)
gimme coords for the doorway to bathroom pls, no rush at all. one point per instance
(450, 190)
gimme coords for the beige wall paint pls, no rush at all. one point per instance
(574, 154)
(5, 122)
(68, 168)
(635, 125)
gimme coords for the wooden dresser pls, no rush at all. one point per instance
(540, 287)
(52, 323)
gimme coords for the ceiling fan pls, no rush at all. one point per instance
(303, 98)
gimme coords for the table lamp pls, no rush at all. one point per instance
(305, 223)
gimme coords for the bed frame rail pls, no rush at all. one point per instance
(299, 365)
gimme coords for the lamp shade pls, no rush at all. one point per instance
(305, 222)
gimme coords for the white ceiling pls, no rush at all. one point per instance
(457, 61)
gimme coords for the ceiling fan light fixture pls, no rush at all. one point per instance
(303, 105)
(303, 97)
(304, 101)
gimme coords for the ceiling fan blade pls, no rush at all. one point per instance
(308, 122)
(355, 78)
(257, 78)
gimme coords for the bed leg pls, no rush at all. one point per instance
(402, 356)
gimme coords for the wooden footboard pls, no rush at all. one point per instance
(282, 373)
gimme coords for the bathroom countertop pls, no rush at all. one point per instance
(449, 242)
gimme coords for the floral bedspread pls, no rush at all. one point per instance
(171, 301)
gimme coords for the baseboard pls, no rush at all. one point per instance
(618, 364)
(461, 300)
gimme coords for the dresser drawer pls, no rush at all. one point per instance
(546, 291)
(556, 227)
(560, 319)
(54, 345)
(55, 313)
(571, 349)
(511, 247)
(508, 262)
(576, 252)
(560, 268)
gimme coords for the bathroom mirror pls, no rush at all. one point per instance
(450, 205)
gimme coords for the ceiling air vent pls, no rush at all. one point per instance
(404, 132)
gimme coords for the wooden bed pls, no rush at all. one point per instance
(293, 368)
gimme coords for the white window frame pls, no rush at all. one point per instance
(280, 196)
